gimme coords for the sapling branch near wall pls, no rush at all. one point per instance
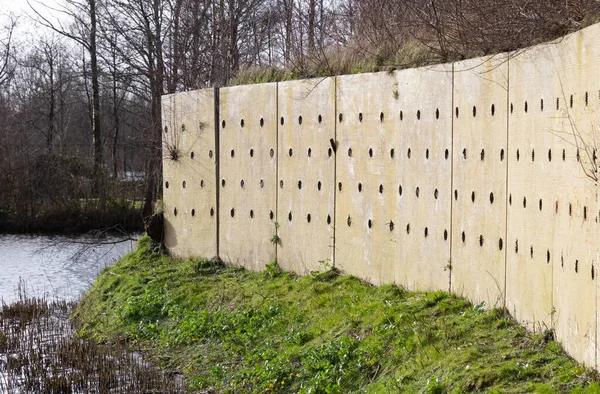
(477, 177)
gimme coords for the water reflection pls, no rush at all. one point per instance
(55, 266)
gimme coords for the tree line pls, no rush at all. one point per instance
(81, 99)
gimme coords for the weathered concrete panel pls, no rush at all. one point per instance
(248, 172)
(306, 174)
(424, 160)
(535, 168)
(367, 199)
(479, 179)
(189, 173)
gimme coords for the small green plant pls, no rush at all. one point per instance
(275, 238)
(272, 270)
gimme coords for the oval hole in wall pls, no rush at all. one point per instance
(193, 212)
(212, 211)
(262, 122)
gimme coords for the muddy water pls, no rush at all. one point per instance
(55, 266)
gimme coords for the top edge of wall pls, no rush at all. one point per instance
(591, 31)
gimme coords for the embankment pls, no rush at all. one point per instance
(231, 330)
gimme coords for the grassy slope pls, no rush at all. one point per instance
(231, 330)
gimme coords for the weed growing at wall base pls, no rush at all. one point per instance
(234, 331)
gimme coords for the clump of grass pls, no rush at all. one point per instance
(230, 330)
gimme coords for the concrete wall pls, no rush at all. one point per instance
(478, 177)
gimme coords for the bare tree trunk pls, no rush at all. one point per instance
(312, 5)
(96, 130)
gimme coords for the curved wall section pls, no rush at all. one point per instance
(478, 177)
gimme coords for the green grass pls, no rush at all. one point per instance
(234, 331)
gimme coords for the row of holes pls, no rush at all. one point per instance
(562, 259)
(556, 206)
(409, 154)
(400, 190)
(290, 152)
(391, 227)
(564, 155)
(193, 212)
(418, 113)
(417, 192)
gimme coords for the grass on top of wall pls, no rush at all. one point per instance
(234, 331)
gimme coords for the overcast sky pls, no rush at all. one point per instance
(26, 28)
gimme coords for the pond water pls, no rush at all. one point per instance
(59, 267)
